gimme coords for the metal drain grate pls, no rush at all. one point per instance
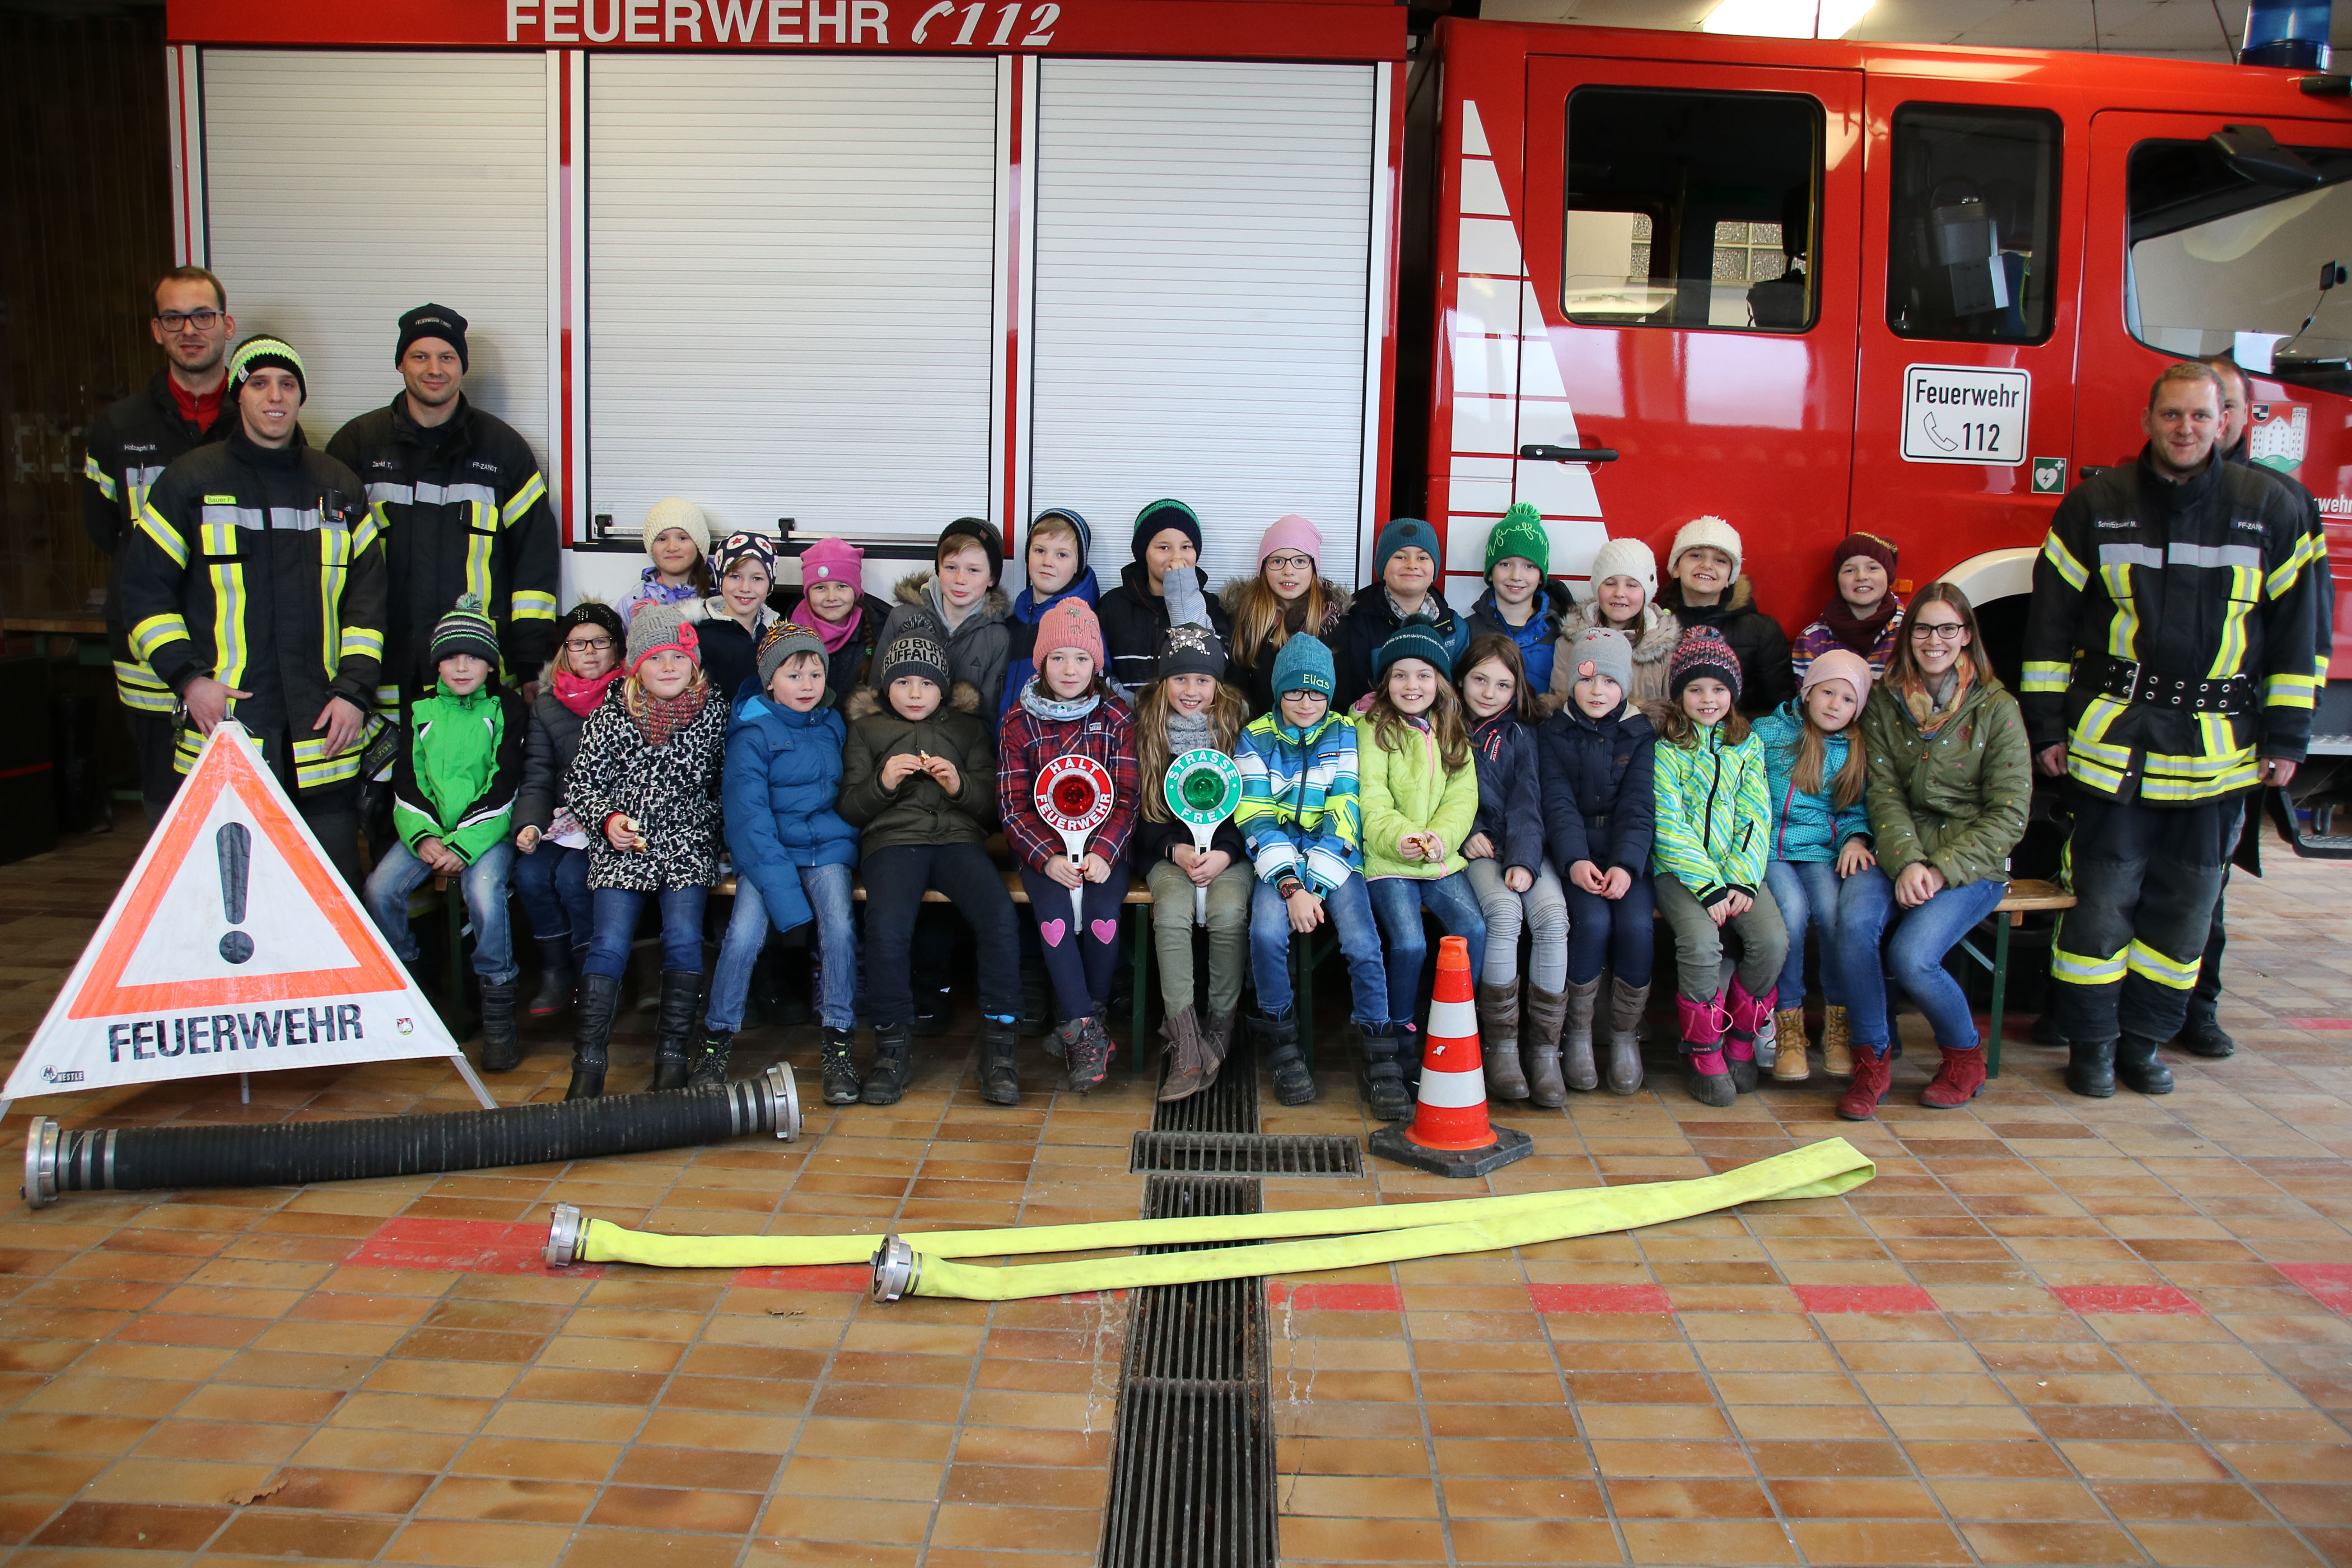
(1246, 1155)
(1192, 1459)
(1228, 1105)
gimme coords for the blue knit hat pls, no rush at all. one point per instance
(1305, 665)
(1417, 638)
(1400, 532)
(1085, 534)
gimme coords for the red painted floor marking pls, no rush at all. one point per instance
(2329, 1283)
(1337, 1298)
(1600, 1298)
(850, 1278)
(2125, 1298)
(2313, 1022)
(1864, 1298)
(465, 1245)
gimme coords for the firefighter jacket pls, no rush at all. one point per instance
(262, 569)
(2169, 639)
(463, 509)
(126, 450)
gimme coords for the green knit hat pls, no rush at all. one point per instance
(1521, 534)
(466, 630)
(263, 351)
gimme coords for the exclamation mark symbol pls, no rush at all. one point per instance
(234, 846)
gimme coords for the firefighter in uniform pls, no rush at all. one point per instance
(2168, 671)
(126, 449)
(253, 586)
(462, 506)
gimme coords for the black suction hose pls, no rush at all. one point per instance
(293, 1154)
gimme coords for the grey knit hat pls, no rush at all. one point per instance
(916, 649)
(1601, 651)
(784, 639)
(658, 627)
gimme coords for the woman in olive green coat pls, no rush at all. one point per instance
(1951, 779)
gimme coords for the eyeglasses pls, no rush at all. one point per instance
(1941, 631)
(1289, 562)
(594, 645)
(177, 321)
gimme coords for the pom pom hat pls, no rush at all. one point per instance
(1703, 653)
(1713, 532)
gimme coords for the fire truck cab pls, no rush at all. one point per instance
(1820, 287)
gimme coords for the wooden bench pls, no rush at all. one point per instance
(2025, 896)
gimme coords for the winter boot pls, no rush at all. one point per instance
(1789, 1053)
(894, 1065)
(1000, 1071)
(1498, 1030)
(2202, 1034)
(600, 994)
(680, 989)
(1188, 1057)
(501, 1050)
(1386, 1097)
(2090, 1068)
(838, 1066)
(557, 977)
(1278, 1039)
(1749, 1014)
(1960, 1079)
(1547, 1014)
(1837, 1043)
(1872, 1072)
(932, 1007)
(1627, 1004)
(2140, 1067)
(1216, 1041)
(1086, 1060)
(1577, 1006)
(1706, 1072)
(706, 1067)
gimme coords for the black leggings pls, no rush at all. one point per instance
(1080, 955)
(894, 880)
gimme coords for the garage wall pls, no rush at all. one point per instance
(791, 288)
(1202, 260)
(340, 191)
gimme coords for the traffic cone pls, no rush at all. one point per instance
(1450, 1135)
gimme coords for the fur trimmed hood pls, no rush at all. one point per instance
(995, 606)
(1337, 601)
(864, 703)
(1651, 649)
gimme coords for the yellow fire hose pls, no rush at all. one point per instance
(1298, 1241)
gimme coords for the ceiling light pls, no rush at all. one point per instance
(1787, 18)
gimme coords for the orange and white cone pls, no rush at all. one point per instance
(1450, 1135)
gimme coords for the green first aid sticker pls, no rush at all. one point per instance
(2049, 475)
(1203, 787)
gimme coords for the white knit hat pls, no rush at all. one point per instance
(1626, 557)
(1711, 531)
(672, 512)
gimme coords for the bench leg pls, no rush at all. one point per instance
(2000, 991)
(452, 978)
(1141, 935)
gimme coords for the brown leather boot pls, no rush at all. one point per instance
(1186, 1057)
(1789, 1033)
(1499, 1032)
(1576, 1035)
(1547, 1015)
(1626, 1004)
(1837, 1043)
(1216, 1043)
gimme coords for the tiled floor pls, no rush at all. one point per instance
(2050, 1330)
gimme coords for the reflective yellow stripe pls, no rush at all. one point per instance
(524, 500)
(313, 766)
(371, 528)
(2054, 551)
(2245, 592)
(2123, 632)
(2091, 731)
(360, 642)
(167, 538)
(2281, 580)
(2046, 675)
(155, 631)
(229, 651)
(2150, 964)
(2290, 691)
(135, 687)
(530, 604)
(98, 476)
(2203, 766)
(2099, 775)
(334, 556)
(2078, 969)
(478, 540)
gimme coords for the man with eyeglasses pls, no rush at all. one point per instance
(2168, 672)
(462, 506)
(125, 450)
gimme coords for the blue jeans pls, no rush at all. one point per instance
(483, 886)
(1397, 903)
(1845, 915)
(553, 883)
(827, 888)
(1350, 910)
(614, 926)
(1922, 937)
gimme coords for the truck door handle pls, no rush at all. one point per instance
(1542, 454)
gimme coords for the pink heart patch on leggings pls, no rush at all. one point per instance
(1050, 931)
(1106, 932)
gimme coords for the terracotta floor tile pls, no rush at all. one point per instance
(2090, 1545)
(1711, 1541)
(473, 1543)
(143, 1527)
(1541, 1539)
(268, 1533)
(2224, 1546)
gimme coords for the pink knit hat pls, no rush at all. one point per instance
(1291, 532)
(1839, 664)
(833, 560)
(1070, 623)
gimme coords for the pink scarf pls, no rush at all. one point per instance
(583, 696)
(834, 635)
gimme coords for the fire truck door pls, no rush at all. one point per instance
(1690, 298)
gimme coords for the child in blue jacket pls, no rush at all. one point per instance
(792, 851)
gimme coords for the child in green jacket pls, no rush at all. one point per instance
(454, 789)
(1714, 829)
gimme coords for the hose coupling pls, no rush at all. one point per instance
(41, 1145)
(785, 1100)
(897, 1267)
(566, 1230)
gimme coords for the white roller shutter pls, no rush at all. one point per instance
(1204, 247)
(342, 188)
(791, 288)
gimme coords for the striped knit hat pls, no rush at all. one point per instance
(262, 352)
(465, 629)
(1703, 652)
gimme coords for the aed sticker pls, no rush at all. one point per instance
(2049, 475)
(1964, 414)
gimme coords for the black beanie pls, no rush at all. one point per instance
(592, 613)
(981, 531)
(1157, 517)
(433, 321)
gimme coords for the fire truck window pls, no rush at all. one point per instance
(1691, 209)
(1973, 210)
(2225, 262)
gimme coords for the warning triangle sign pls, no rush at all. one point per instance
(232, 946)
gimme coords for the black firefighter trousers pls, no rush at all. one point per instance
(2146, 878)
